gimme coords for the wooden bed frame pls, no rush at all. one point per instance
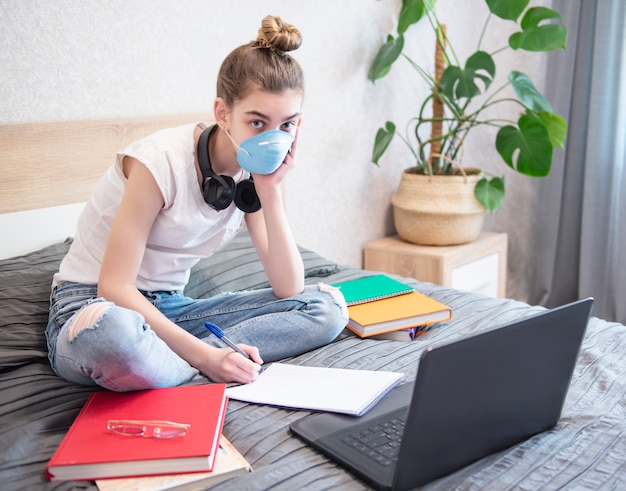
(30, 174)
(48, 170)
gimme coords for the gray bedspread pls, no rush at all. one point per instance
(586, 450)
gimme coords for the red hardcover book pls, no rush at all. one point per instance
(90, 450)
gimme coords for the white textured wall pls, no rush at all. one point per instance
(69, 59)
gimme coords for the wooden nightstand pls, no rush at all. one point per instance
(479, 266)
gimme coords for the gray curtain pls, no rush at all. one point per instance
(581, 233)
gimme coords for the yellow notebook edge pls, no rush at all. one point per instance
(427, 324)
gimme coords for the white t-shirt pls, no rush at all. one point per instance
(185, 230)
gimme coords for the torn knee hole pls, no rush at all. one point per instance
(86, 317)
(334, 291)
(336, 294)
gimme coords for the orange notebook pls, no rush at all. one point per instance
(90, 451)
(395, 313)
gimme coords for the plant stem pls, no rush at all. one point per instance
(482, 33)
(427, 78)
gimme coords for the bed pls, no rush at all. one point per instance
(55, 165)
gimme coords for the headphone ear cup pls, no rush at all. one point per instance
(219, 195)
(246, 198)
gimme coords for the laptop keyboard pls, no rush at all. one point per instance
(380, 441)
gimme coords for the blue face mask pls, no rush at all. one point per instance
(263, 154)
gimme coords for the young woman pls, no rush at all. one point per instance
(118, 317)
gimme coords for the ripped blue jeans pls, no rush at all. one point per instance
(120, 352)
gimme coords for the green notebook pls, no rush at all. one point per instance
(371, 288)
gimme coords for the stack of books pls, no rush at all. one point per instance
(154, 439)
(228, 463)
(383, 308)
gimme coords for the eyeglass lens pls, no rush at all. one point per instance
(147, 430)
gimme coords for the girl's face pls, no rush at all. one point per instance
(261, 111)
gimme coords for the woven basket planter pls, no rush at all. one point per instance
(438, 210)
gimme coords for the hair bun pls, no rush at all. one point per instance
(278, 35)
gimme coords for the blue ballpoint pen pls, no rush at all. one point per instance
(220, 334)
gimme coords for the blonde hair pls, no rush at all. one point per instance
(262, 63)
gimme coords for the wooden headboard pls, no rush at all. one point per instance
(57, 163)
(50, 164)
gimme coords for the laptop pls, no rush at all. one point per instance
(470, 398)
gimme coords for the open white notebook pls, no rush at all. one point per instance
(338, 390)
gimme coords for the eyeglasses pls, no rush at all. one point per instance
(147, 429)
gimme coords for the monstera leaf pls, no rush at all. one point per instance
(507, 9)
(556, 126)
(490, 193)
(458, 83)
(412, 11)
(383, 139)
(387, 54)
(527, 93)
(526, 148)
(536, 36)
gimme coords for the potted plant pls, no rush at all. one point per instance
(462, 98)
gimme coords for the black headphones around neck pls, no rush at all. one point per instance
(220, 191)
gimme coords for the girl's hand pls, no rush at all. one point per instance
(290, 158)
(225, 365)
(274, 179)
